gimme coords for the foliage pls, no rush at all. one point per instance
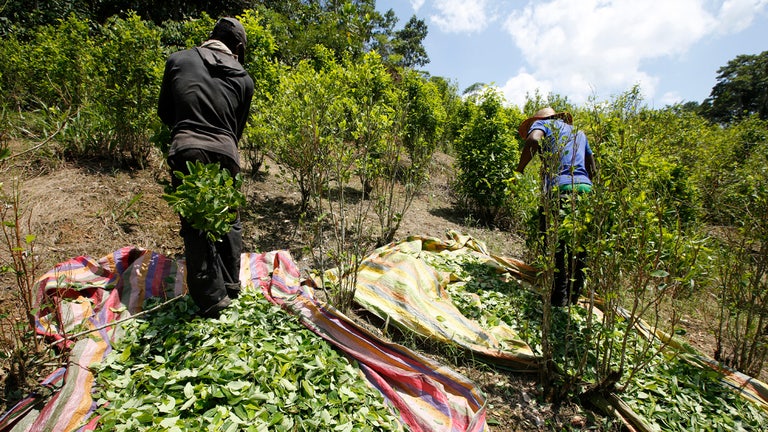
(733, 169)
(5, 127)
(13, 77)
(667, 391)
(640, 255)
(343, 28)
(58, 68)
(26, 15)
(670, 141)
(452, 103)
(299, 126)
(640, 258)
(741, 284)
(96, 84)
(486, 155)
(102, 81)
(24, 353)
(425, 117)
(673, 394)
(18, 15)
(408, 44)
(320, 129)
(131, 64)
(418, 118)
(742, 292)
(741, 90)
(255, 370)
(331, 122)
(364, 126)
(263, 68)
(207, 197)
(191, 32)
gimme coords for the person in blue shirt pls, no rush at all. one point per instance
(569, 170)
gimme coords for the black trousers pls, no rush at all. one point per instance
(569, 264)
(569, 275)
(213, 268)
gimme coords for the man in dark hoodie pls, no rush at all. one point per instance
(205, 99)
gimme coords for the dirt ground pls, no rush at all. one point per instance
(89, 210)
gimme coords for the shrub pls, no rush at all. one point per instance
(486, 156)
(131, 65)
(208, 197)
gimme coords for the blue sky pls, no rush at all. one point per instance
(580, 49)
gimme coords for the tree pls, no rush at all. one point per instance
(741, 90)
(346, 28)
(28, 14)
(408, 43)
(451, 101)
(486, 154)
(402, 162)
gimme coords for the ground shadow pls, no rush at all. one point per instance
(451, 214)
(276, 221)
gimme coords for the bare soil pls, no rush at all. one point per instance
(86, 209)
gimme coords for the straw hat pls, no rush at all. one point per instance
(542, 114)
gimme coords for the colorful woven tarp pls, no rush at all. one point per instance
(399, 286)
(429, 396)
(92, 294)
(88, 294)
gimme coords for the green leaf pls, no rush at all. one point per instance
(309, 390)
(189, 391)
(236, 386)
(167, 406)
(206, 197)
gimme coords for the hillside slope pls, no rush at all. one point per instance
(85, 209)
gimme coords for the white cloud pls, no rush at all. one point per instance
(670, 98)
(598, 46)
(460, 16)
(736, 15)
(521, 85)
(417, 4)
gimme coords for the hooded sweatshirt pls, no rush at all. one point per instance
(205, 98)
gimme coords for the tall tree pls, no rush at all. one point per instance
(347, 28)
(27, 14)
(741, 90)
(408, 43)
(404, 47)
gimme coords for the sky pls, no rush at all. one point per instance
(584, 49)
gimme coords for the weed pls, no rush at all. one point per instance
(25, 356)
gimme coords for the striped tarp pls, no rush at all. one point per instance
(399, 286)
(428, 395)
(85, 293)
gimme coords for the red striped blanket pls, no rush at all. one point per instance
(94, 293)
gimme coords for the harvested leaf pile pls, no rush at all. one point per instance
(255, 369)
